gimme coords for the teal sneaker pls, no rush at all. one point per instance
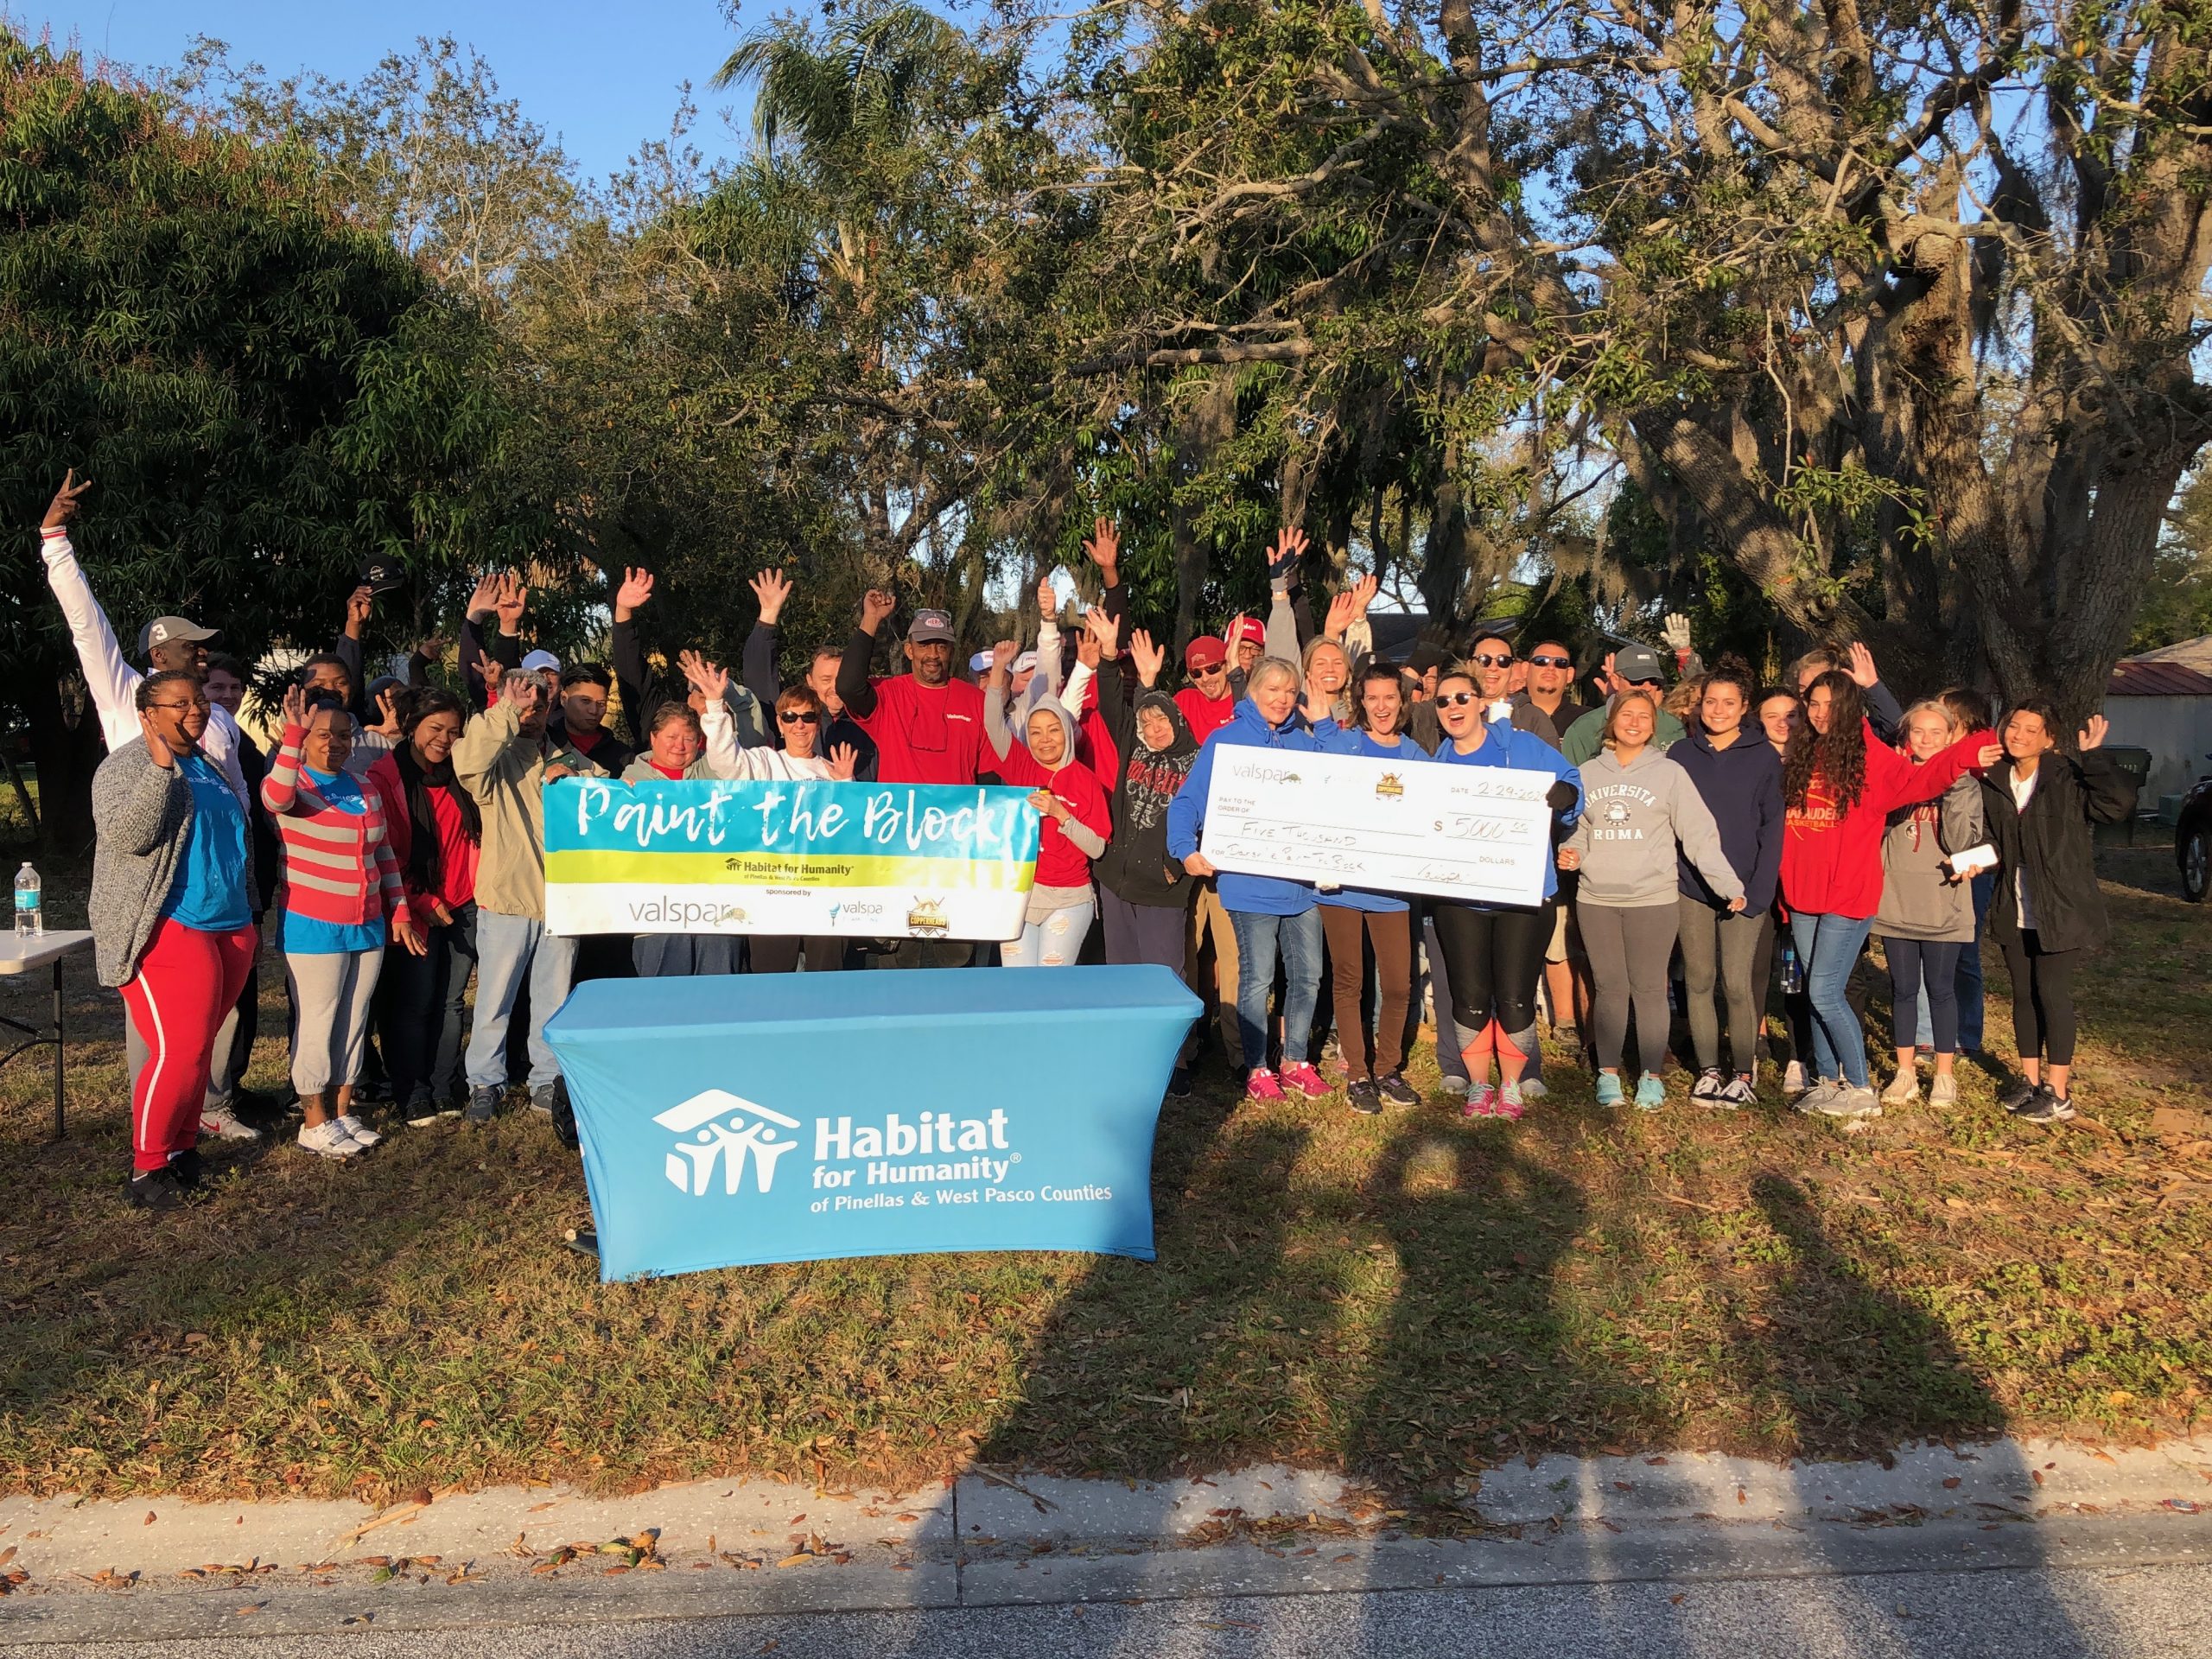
(1609, 1088)
(1651, 1093)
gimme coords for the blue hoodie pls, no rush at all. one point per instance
(1263, 895)
(1505, 745)
(1741, 787)
(1350, 740)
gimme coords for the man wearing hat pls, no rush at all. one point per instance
(1631, 668)
(928, 725)
(1248, 639)
(1208, 703)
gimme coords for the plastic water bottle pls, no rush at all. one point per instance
(30, 919)
(1793, 971)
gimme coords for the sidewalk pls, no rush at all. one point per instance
(515, 1555)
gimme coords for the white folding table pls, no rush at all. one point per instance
(19, 957)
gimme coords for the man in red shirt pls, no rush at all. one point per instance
(1207, 703)
(928, 727)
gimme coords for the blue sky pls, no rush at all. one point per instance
(602, 76)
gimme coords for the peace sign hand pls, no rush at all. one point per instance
(63, 507)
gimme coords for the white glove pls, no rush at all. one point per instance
(1675, 631)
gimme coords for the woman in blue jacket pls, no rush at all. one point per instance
(1269, 913)
(1738, 776)
(1493, 953)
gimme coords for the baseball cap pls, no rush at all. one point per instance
(1638, 662)
(1425, 657)
(1251, 628)
(929, 625)
(1024, 663)
(1205, 651)
(538, 660)
(980, 662)
(162, 629)
(383, 576)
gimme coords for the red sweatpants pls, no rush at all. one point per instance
(186, 983)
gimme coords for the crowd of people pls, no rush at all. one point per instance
(1716, 842)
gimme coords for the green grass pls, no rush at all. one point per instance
(1409, 1298)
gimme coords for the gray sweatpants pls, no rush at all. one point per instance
(1717, 945)
(1629, 952)
(331, 991)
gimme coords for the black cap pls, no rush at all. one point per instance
(1424, 656)
(383, 576)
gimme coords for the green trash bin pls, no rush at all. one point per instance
(2136, 764)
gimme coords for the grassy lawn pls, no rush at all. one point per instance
(1410, 1297)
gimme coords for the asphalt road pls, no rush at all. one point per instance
(2025, 1614)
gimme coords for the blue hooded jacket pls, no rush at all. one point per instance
(1264, 895)
(1741, 787)
(1504, 745)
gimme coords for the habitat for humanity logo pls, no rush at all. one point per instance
(729, 1130)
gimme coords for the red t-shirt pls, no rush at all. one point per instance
(1206, 715)
(1060, 862)
(1831, 857)
(926, 734)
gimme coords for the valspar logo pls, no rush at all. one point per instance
(726, 1129)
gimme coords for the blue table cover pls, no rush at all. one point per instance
(736, 1119)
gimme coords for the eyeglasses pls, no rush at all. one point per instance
(1543, 661)
(197, 703)
(1210, 670)
(1459, 699)
(1484, 659)
(796, 717)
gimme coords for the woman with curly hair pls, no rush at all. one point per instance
(1839, 783)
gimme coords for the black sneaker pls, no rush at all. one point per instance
(187, 1167)
(1178, 1084)
(1362, 1096)
(483, 1104)
(2046, 1105)
(156, 1189)
(421, 1109)
(2016, 1098)
(541, 1099)
(1396, 1091)
(1711, 1088)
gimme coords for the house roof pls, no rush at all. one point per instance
(2137, 677)
(2189, 653)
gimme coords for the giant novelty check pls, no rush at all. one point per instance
(1480, 834)
(878, 861)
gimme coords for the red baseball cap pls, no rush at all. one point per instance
(1205, 651)
(1251, 628)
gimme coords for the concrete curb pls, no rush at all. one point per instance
(529, 1556)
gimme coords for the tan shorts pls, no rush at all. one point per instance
(1566, 938)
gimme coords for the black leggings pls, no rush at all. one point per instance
(2042, 998)
(1492, 959)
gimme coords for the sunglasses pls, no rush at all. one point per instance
(798, 717)
(1542, 661)
(1645, 685)
(1210, 670)
(1484, 659)
(1459, 699)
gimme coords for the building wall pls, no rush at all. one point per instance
(2176, 730)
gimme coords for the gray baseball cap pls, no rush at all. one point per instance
(162, 629)
(931, 624)
(1638, 664)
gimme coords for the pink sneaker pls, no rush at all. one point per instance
(1509, 1102)
(1482, 1102)
(1262, 1085)
(1303, 1079)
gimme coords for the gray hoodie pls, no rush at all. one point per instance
(1919, 900)
(1631, 818)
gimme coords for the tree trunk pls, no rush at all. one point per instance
(67, 748)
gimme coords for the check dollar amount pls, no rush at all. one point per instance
(1478, 834)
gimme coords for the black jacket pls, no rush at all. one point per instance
(2051, 846)
(1136, 867)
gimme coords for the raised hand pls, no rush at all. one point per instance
(1363, 594)
(1048, 602)
(483, 601)
(1863, 674)
(711, 678)
(296, 705)
(771, 590)
(511, 597)
(1675, 631)
(875, 605)
(358, 604)
(637, 587)
(1104, 631)
(1283, 557)
(1002, 654)
(1149, 658)
(1340, 617)
(1086, 645)
(1104, 549)
(431, 648)
(1611, 681)
(2093, 734)
(388, 711)
(63, 507)
(844, 760)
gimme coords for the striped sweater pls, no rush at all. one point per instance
(329, 854)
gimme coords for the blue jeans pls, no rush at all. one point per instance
(507, 948)
(1258, 938)
(1970, 988)
(1053, 943)
(1829, 948)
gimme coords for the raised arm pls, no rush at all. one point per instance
(488, 744)
(280, 789)
(2108, 793)
(348, 651)
(854, 688)
(758, 663)
(716, 722)
(995, 695)
(1117, 711)
(111, 680)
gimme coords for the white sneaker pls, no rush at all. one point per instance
(1532, 1089)
(363, 1134)
(1944, 1090)
(220, 1122)
(1850, 1100)
(1793, 1078)
(1904, 1090)
(330, 1140)
(1453, 1085)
